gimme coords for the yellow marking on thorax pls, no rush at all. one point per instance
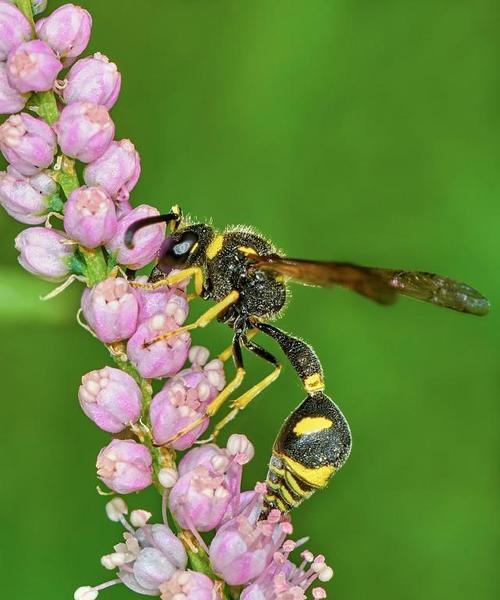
(312, 425)
(215, 246)
(314, 383)
(316, 476)
(247, 250)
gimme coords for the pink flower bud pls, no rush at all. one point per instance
(182, 401)
(14, 29)
(147, 241)
(200, 498)
(163, 358)
(11, 100)
(111, 398)
(170, 301)
(90, 217)
(125, 466)
(117, 171)
(84, 130)
(67, 31)
(33, 67)
(26, 199)
(44, 253)
(189, 584)
(159, 554)
(110, 308)
(94, 79)
(244, 546)
(28, 144)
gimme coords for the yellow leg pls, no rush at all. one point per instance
(195, 272)
(244, 400)
(202, 321)
(213, 406)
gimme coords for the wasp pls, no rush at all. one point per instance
(247, 279)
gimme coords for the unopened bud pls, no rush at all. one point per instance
(116, 508)
(85, 593)
(168, 477)
(139, 517)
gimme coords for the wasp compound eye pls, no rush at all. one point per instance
(176, 250)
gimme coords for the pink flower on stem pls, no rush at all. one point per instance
(189, 585)
(33, 67)
(28, 144)
(117, 170)
(152, 302)
(147, 241)
(157, 359)
(111, 398)
(125, 466)
(11, 100)
(67, 31)
(93, 79)
(14, 29)
(90, 217)
(184, 399)
(84, 130)
(282, 580)
(26, 199)
(45, 253)
(244, 546)
(110, 308)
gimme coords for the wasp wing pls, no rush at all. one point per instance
(380, 285)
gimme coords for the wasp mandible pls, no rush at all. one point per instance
(247, 278)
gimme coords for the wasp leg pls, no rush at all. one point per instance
(202, 321)
(244, 400)
(228, 352)
(195, 272)
(214, 406)
(314, 441)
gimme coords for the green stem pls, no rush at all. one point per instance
(47, 107)
(26, 8)
(97, 269)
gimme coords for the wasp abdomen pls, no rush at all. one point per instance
(312, 445)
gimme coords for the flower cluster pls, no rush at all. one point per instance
(155, 400)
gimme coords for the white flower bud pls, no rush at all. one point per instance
(198, 355)
(116, 508)
(167, 477)
(139, 517)
(239, 445)
(85, 593)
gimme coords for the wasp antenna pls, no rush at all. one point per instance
(171, 217)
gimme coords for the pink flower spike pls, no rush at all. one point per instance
(184, 585)
(93, 79)
(147, 241)
(67, 31)
(111, 398)
(26, 199)
(160, 359)
(28, 144)
(84, 131)
(110, 308)
(125, 466)
(90, 217)
(44, 253)
(11, 100)
(33, 67)
(14, 29)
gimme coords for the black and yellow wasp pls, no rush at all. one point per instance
(247, 279)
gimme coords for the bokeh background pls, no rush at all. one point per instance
(342, 129)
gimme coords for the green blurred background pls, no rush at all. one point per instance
(351, 130)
